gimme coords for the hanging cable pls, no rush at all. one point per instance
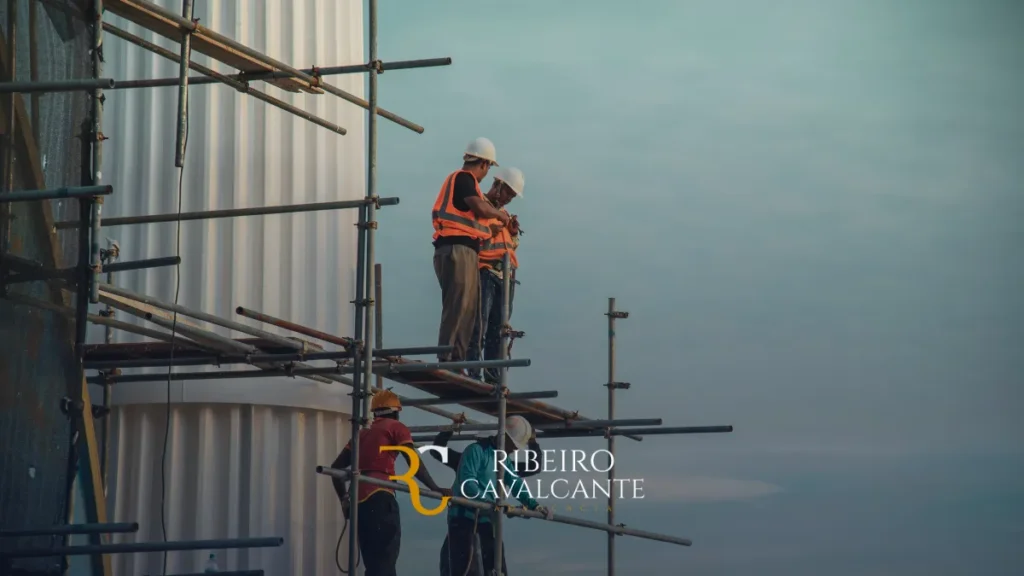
(337, 550)
(170, 365)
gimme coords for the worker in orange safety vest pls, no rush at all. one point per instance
(463, 220)
(508, 184)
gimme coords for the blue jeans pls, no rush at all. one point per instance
(490, 319)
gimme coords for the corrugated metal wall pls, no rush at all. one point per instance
(36, 356)
(238, 464)
(233, 471)
(243, 153)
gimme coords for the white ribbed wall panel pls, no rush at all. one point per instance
(233, 471)
(242, 153)
(242, 453)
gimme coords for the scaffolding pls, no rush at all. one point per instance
(177, 339)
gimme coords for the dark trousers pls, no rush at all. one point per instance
(463, 547)
(380, 534)
(456, 270)
(487, 335)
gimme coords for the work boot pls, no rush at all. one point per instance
(474, 374)
(492, 376)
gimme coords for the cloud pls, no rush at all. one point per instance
(704, 489)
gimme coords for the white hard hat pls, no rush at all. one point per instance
(513, 177)
(484, 149)
(519, 430)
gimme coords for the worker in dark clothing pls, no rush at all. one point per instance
(463, 220)
(379, 524)
(486, 342)
(454, 457)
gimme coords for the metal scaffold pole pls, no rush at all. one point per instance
(6, 214)
(364, 284)
(369, 264)
(506, 287)
(378, 289)
(186, 55)
(97, 155)
(612, 385)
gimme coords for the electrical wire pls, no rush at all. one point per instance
(170, 365)
(337, 550)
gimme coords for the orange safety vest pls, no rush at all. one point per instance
(450, 221)
(493, 249)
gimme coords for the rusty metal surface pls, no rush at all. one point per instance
(36, 357)
(445, 384)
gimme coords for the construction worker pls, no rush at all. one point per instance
(508, 184)
(461, 216)
(455, 457)
(470, 531)
(379, 525)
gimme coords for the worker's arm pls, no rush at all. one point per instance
(483, 209)
(344, 460)
(423, 475)
(454, 456)
(465, 192)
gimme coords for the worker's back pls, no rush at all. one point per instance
(372, 460)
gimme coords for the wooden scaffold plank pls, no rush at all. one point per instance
(205, 41)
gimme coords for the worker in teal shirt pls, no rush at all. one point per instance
(470, 532)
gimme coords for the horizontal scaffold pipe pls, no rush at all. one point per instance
(197, 334)
(188, 26)
(81, 84)
(562, 433)
(417, 402)
(134, 547)
(572, 425)
(225, 360)
(230, 213)
(522, 512)
(107, 528)
(228, 573)
(70, 275)
(218, 77)
(56, 193)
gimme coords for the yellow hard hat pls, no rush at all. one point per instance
(385, 401)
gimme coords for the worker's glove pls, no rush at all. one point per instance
(345, 507)
(547, 512)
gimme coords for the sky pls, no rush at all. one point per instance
(812, 211)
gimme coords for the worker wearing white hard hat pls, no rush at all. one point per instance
(508, 184)
(523, 467)
(476, 479)
(463, 220)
